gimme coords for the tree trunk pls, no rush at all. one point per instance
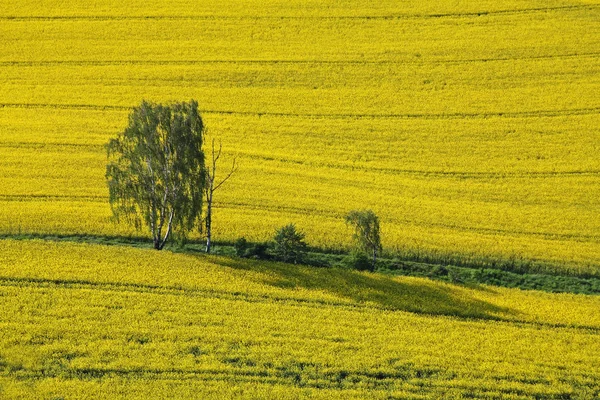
(209, 220)
(168, 233)
(374, 257)
(159, 242)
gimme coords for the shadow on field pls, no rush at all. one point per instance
(406, 294)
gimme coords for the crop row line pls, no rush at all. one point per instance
(51, 197)
(484, 230)
(65, 106)
(430, 173)
(42, 145)
(297, 17)
(417, 61)
(235, 375)
(426, 116)
(75, 284)
(505, 232)
(409, 378)
(327, 213)
(391, 171)
(120, 287)
(292, 374)
(476, 175)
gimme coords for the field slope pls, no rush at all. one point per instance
(110, 322)
(471, 128)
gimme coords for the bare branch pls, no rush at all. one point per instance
(234, 168)
(218, 153)
(211, 174)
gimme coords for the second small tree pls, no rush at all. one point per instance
(211, 186)
(366, 231)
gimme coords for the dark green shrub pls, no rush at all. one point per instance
(258, 251)
(241, 247)
(289, 245)
(359, 261)
(454, 276)
(438, 271)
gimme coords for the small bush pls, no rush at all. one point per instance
(245, 249)
(289, 245)
(241, 247)
(454, 276)
(258, 251)
(438, 271)
(359, 261)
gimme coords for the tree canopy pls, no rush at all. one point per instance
(366, 231)
(288, 244)
(155, 170)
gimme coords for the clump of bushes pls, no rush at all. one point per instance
(245, 249)
(358, 260)
(288, 244)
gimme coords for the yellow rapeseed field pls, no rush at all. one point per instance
(110, 322)
(470, 128)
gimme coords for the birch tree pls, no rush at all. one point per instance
(155, 171)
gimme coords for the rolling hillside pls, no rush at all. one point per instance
(111, 322)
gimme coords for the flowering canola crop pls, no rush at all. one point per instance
(110, 322)
(470, 128)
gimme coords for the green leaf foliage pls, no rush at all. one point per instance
(289, 245)
(155, 170)
(358, 260)
(366, 231)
